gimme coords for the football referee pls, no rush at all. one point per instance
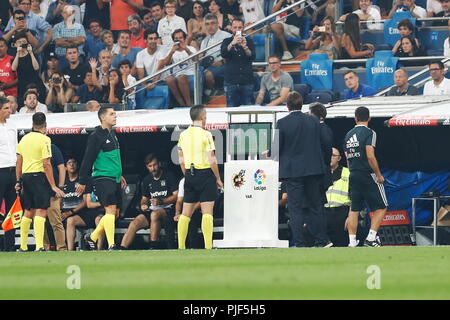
(34, 173)
(102, 155)
(202, 180)
(365, 181)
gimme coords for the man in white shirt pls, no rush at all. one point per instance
(214, 35)
(369, 13)
(170, 23)
(439, 85)
(408, 5)
(147, 59)
(182, 74)
(30, 101)
(8, 145)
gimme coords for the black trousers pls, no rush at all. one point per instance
(335, 225)
(305, 210)
(7, 192)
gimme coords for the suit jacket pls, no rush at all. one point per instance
(327, 145)
(300, 146)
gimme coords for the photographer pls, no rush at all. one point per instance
(20, 29)
(59, 93)
(239, 52)
(324, 39)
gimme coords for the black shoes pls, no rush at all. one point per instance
(375, 243)
(89, 243)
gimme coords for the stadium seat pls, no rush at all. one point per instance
(302, 88)
(158, 98)
(259, 40)
(319, 96)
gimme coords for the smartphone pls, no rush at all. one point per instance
(322, 29)
(176, 43)
(239, 33)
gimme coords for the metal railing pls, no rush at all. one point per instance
(197, 94)
(383, 20)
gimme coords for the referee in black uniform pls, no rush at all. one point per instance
(202, 180)
(366, 181)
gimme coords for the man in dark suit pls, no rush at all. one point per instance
(302, 169)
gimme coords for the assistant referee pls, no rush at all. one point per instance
(202, 180)
(35, 173)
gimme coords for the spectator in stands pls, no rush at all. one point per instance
(36, 8)
(148, 59)
(157, 15)
(405, 29)
(105, 60)
(27, 68)
(252, 11)
(184, 9)
(31, 103)
(277, 84)
(76, 70)
(147, 19)
(217, 67)
(170, 23)
(59, 93)
(35, 23)
(128, 80)
(126, 51)
(179, 83)
(52, 63)
(410, 49)
(238, 52)
(75, 206)
(330, 11)
(408, 5)
(196, 26)
(287, 27)
(119, 13)
(367, 12)
(12, 104)
(94, 43)
(224, 19)
(33, 87)
(445, 13)
(356, 89)
(231, 9)
(55, 11)
(351, 45)
(108, 41)
(91, 89)
(439, 85)
(92, 106)
(159, 194)
(96, 10)
(402, 87)
(19, 30)
(8, 77)
(136, 31)
(325, 41)
(68, 34)
(6, 10)
(447, 44)
(433, 7)
(114, 92)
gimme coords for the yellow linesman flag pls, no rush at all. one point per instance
(14, 216)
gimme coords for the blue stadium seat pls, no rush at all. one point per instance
(302, 88)
(259, 40)
(322, 96)
(158, 98)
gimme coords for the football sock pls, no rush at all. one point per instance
(372, 235)
(98, 231)
(24, 229)
(109, 225)
(39, 229)
(207, 230)
(352, 238)
(183, 225)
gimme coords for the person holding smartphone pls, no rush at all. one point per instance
(324, 39)
(20, 28)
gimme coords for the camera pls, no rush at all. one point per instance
(322, 29)
(21, 18)
(57, 80)
(24, 45)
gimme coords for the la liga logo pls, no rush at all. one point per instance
(260, 178)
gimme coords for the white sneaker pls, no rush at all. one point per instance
(353, 245)
(287, 56)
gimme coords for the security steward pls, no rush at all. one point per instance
(199, 166)
(338, 202)
(34, 173)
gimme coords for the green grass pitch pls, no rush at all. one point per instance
(316, 273)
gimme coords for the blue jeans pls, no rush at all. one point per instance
(238, 94)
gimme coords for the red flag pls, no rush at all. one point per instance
(14, 216)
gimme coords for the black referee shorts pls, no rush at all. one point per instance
(36, 191)
(364, 188)
(200, 187)
(108, 191)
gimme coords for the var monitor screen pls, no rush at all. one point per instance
(250, 138)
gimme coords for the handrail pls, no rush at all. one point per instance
(417, 74)
(262, 64)
(145, 79)
(383, 20)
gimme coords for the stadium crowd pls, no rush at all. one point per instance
(78, 51)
